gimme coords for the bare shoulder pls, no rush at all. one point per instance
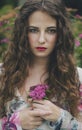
(80, 73)
(1, 64)
(80, 78)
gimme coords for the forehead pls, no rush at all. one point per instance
(40, 18)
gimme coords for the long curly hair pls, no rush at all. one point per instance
(62, 73)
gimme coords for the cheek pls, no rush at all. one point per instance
(32, 38)
(52, 40)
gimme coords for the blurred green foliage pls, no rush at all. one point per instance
(5, 9)
(13, 3)
(7, 18)
(77, 31)
(8, 15)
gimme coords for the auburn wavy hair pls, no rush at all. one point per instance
(62, 73)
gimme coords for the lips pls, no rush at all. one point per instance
(41, 48)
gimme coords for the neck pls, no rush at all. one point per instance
(40, 63)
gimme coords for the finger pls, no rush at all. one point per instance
(38, 112)
(37, 124)
(40, 106)
(39, 101)
(38, 120)
(44, 112)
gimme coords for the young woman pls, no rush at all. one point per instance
(42, 53)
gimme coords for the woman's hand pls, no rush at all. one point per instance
(46, 106)
(31, 119)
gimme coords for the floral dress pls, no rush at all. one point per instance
(67, 122)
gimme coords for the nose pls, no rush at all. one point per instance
(42, 38)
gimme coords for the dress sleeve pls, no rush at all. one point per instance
(70, 122)
(67, 121)
(10, 122)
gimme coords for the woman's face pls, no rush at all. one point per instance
(42, 33)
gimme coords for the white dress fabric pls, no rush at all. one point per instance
(68, 121)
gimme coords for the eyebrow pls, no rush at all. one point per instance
(32, 27)
(52, 27)
(38, 27)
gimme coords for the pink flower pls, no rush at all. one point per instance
(5, 40)
(8, 28)
(38, 92)
(80, 36)
(1, 24)
(78, 16)
(80, 107)
(77, 43)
